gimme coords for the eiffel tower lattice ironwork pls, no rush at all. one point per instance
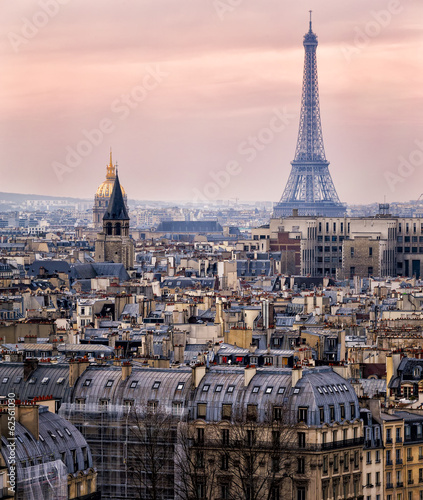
(310, 189)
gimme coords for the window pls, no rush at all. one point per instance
(332, 413)
(230, 389)
(281, 390)
(256, 388)
(226, 411)
(352, 410)
(301, 439)
(322, 414)
(109, 383)
(369, 457)
(201, 410)
(301, 493)
(180, 386)
(352, 251)
(224, 491)
(32, 380)
(87, 382)
(68, 432)
(218, 388)
(18, 380)
(59, 432)
(302, 414)
(225, 437)
(177, 408)
(134, 383)
(269, 390)
(320, 390)
(200, 459)
(252, 413)
(277, 413)
(296, 390)
(60, 380)
(156, 385)
(342, 408)
(276, 464)
(5, 379)
(300, 465)
(251, 437)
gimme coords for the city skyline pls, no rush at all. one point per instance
(208, 95)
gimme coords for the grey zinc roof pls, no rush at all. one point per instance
(308, 395)
(121, 391)
(372, 386)
(52, 447)
(25, 390)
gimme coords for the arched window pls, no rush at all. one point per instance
(117, 229)
(109, 228)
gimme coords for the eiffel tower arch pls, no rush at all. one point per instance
(310, 189)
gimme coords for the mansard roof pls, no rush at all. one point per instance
(116, 209)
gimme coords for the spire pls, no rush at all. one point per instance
(110, 168)
(116, 209)
(310, 31)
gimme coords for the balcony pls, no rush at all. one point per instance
(400, 484)
(388, 440)
(389, 486)
(389, 462)
(345, 443)
(398, 439)
(409, 458)
(398, 461)
(410, 481)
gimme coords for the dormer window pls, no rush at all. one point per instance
(417, 372)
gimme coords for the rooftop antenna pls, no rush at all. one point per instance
(310, 20)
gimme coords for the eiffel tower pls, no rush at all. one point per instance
(310, 189)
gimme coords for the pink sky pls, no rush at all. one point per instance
(206, 77)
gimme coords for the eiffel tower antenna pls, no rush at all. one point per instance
(310, 188)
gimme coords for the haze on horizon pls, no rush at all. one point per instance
(185, 90)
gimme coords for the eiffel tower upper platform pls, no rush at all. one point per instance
(310, 188)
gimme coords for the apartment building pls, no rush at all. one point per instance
(343, 247)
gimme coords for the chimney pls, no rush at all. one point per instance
(126, 370)
(198, 373)
(249, 372)
(297, 374)
(76, 369)
(28, 416)
(30, 365)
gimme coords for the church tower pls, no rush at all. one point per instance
(113, 244)
(103, 193)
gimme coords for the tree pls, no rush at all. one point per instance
(150, 452)
(239, 457)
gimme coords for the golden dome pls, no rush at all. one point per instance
(105, 189)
